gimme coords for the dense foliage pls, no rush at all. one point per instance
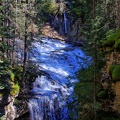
(99, 27)
(16, 21)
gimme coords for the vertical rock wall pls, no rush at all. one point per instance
(112, 58)
(10, 112)
(116, 88)
(7, 108)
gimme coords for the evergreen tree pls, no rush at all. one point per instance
(98, 17)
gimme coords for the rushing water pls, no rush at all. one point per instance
(59, 62)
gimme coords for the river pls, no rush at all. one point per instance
(59, 62)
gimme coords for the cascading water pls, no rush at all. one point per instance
(65, 22)
(58, 62)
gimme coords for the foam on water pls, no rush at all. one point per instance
(60, 61)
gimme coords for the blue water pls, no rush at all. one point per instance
(60, 62)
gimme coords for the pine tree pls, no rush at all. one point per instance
(98, 17)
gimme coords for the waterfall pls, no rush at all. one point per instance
(59, 62)
(65, 22)
(47, 103)
(46, 108)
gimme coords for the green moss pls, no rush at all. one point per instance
(112, 39)
(115, 72)
(15, 88)
(102, 94)
(111, 68)
(1, 94)
(12, 76)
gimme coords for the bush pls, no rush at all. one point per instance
(102, 94)
(115, 72)
(17, 70)
(15, 88)
(112, 39)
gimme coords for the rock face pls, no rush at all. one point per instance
(112, 58)
(47, 30)
(10, 112)
(55, 28)
(7, 108)
(116, 88)
(75, 31)
(12, 107)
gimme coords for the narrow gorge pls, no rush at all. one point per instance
(59, 60)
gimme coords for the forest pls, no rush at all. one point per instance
(90, 26)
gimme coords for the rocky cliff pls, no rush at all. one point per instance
(110, 82)
(55, 28)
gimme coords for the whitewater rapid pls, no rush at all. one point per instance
(59, 62)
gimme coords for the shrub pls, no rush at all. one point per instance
(115, 72)
(15, 88)
(112, 39)
(102, 94)
(17, 70)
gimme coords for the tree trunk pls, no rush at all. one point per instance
(25, 52)
(95, 61)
